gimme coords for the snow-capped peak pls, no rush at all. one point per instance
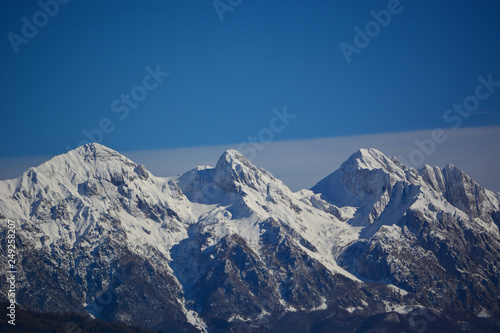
(234, 170)
(232, 155)
(94, 148)
(232, 159)
(234, 174)
(92, 161)
(366, 175)
(372, 159)
(92, 153)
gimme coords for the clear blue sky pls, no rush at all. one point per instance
(226, 76)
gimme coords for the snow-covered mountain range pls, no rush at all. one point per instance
(232, 248)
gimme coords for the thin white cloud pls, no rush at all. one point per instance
(302, 163)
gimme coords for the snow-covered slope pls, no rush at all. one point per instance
(89, 216)
(93, 181)
(431, 232)
(231, 245)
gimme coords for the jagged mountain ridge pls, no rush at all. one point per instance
(232, 245)
(416, 219)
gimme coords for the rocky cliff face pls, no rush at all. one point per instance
(231, 248)
(94, 237)
(431, 232)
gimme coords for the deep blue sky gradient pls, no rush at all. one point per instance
(226, 76)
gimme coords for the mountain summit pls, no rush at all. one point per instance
(232, 248)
